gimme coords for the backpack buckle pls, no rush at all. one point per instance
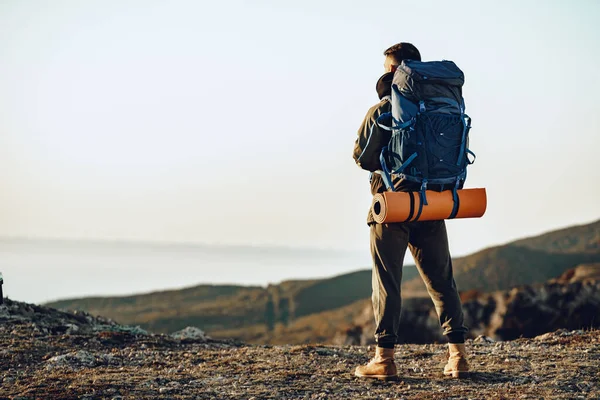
(422, 193)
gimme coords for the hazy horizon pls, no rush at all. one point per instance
(46, 270)
(246, 246)
(43, 270)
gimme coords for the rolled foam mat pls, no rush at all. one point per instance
(389, 207)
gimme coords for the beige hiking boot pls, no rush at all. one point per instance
(457, 365)
(380, 367)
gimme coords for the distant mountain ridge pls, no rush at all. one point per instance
(578, 238)
(525, 261)
(258, 314)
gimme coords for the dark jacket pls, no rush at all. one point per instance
(372, 139)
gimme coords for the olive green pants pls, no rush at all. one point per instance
(428, 243)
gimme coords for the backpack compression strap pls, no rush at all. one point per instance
(385, 172)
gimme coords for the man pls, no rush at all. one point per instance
(427, 241)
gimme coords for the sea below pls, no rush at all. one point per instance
(38, 271)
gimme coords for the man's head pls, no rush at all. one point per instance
(398, 52)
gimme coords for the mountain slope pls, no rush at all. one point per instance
(231, 309)
(296, 310)
(525, 261)
(576, 239)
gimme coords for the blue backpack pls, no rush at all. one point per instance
(430, 130)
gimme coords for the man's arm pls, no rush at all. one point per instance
(371, 138)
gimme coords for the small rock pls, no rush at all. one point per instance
(190, 332)
(74, 359)
(483, 339)
(544, 337)
(8, 380)
(324, 352)
(132, 330)
(71, 328)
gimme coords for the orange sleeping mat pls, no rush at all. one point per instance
(389, 207)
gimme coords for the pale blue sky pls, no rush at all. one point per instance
(234, 121)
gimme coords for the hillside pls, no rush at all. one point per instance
(306, 311)
(576, 239)
(526, 261)
(251, 313)
(50, 354)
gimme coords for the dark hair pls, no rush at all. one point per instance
(403, 51)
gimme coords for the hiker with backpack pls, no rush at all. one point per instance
(415, 139)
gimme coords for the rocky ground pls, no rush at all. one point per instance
(46, 353)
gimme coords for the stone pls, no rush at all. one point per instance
(483, 339)
(190, 332)
(74, 359)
